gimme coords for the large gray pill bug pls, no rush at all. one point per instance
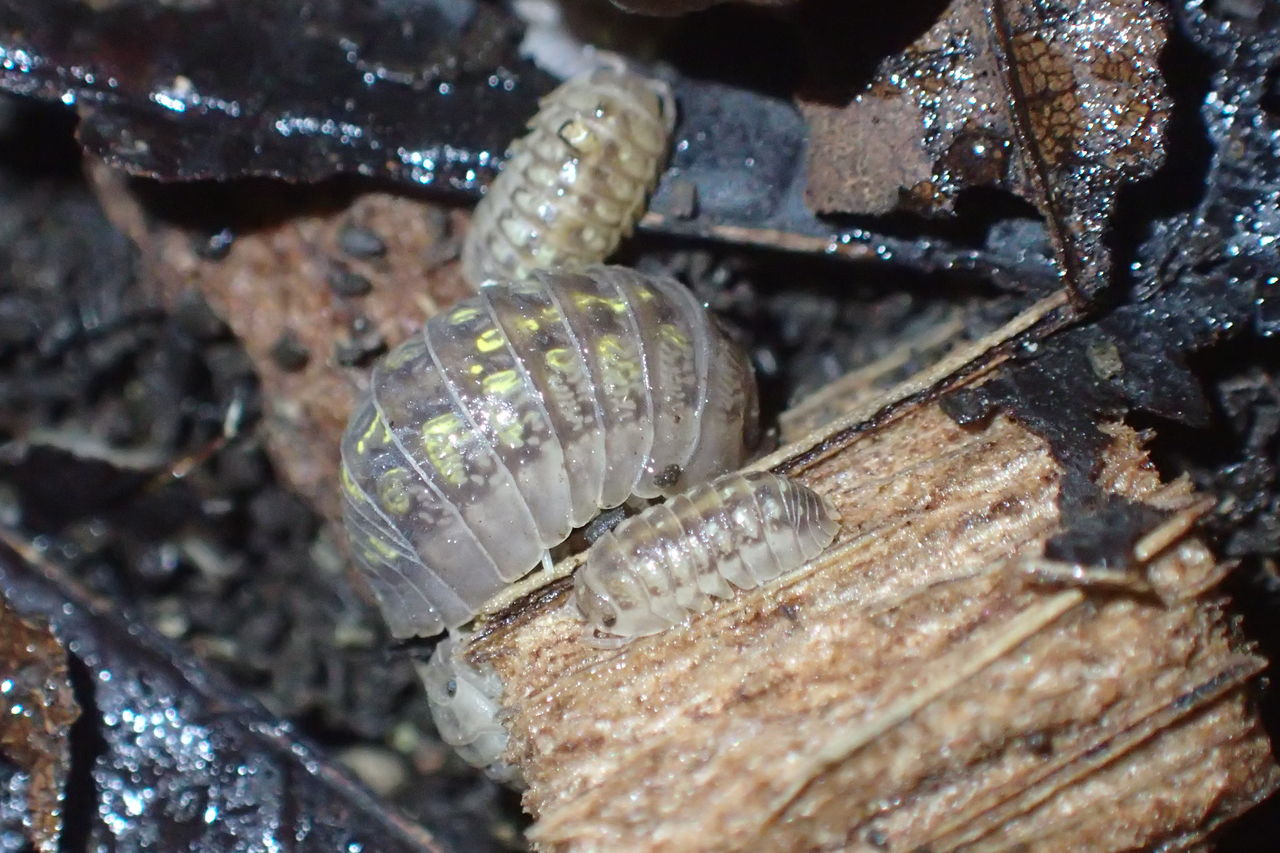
(576, 184)
(465, 705)
(655, 569)
(519, 414)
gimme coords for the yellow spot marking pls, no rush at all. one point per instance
(503, 382)
(463, 314)
(559, 358)
(617, 365)
(511, 435)
(586, 300)
(438, 441)
(349, 486)
(379, 548)
(401, 355)
(393, 494)
(489, 340)
(368, 439)
(673, 334)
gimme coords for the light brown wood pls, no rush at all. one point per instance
(916, 685)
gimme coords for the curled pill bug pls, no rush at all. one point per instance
(575, 185)
(465, 706)
(657, 568)
(518, 415)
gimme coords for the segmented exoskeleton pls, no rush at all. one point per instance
(576, 184)
(465, 704)
(655, 569)
(519, 414)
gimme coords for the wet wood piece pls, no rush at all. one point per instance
(428, 92)
(918, 685)
(176, 752)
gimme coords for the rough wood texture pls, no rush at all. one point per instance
(915, 686)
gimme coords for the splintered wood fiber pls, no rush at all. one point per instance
(914, 686)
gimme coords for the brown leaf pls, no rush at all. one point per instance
(36, 713)
(1058, 104)
(313, 293)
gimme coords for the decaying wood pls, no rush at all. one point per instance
(925, 684)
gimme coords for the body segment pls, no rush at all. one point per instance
(465, 705)
(576, 184)
(741, 530)
(519, 414)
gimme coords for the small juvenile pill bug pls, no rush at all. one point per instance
(656, 568)
(575, 185)
(519, 414)
(465, 705)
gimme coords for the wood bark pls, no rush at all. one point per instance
(930, 682)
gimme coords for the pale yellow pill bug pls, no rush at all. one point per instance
(576, 184)
(518, 415)
(655, 569)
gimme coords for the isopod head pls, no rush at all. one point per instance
(465, 705)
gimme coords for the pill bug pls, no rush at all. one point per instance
(519, 414)
(654, 569)
(576, 184)
(465, 706)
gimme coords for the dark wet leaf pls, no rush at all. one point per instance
(428, 93)
(680, 7)
(36, 713)
(1201, 278)
(176, 758)
(1230, 233)
(1058, 103)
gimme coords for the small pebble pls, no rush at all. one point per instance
(170, 619)
(289, 354)
(344, 282)
(360, 242)
(1104, 359)
(215, 246)
(382, 770)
